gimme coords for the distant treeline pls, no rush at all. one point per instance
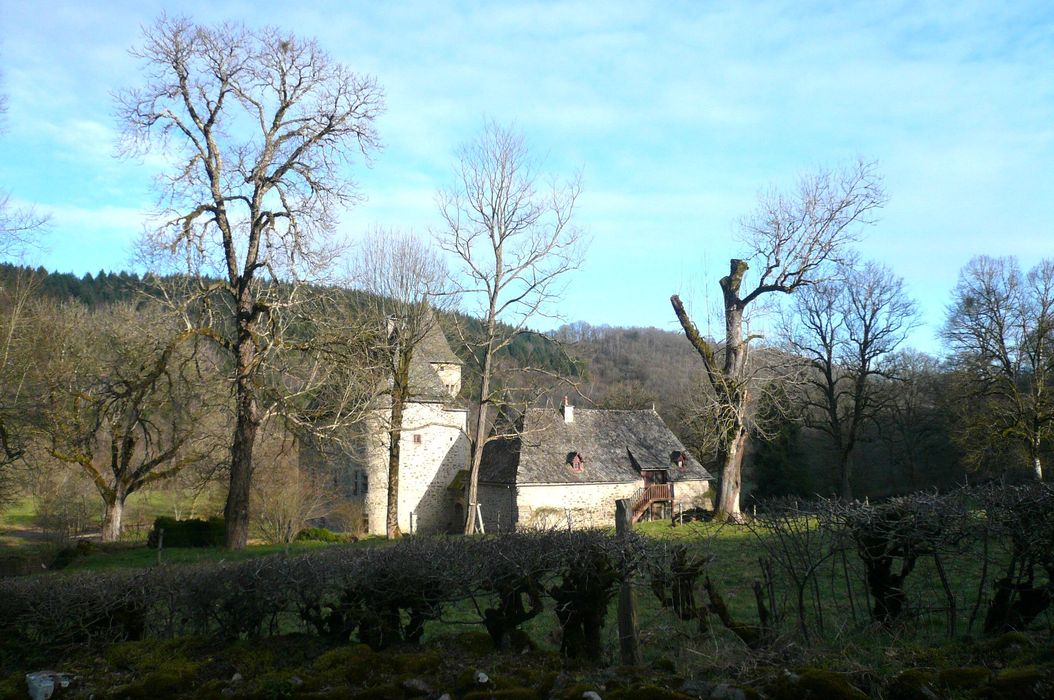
(104, 288)
(100, 289)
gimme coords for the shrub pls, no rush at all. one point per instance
(186, 533)
(321, 534)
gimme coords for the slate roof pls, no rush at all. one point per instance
(425, 384)
(615, 446)
(435, 348)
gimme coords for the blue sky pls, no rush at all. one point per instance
(677, 113)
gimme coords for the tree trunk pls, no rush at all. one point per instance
(478, 441)
(395, 429)
(111, 522)
(733, 393)
(845, 491)
(732, 477)
(1037, 468)
(236, 511)
(479, 437)
(728, 383)
(735, 349)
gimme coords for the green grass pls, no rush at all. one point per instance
(20, 515)
(126, 557)
(141, 508)
(141, 556)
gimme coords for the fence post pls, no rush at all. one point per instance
(628, 642)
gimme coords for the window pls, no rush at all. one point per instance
(359, 483)
(417, 438)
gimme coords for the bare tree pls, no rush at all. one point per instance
(17, 359)
(407, 283)
(123, 399)
(515, 242)
(1001, 330)
(260, 123)
(848, 329)
(288, 494)
(794, 238)
(914, 424)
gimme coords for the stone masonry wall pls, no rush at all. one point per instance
(498, 504)
(589, 505)
(433, 447)
(693, 494)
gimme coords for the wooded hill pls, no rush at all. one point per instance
(633, 368)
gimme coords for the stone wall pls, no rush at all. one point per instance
(587, 505)
(498, 504)
(693, 494)
(433, 447)
(450, 375)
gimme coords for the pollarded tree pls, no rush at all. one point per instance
(514, 241)
(848, 329)
(407, 284)
(260, 125)
(793, 239)
(1000, 329)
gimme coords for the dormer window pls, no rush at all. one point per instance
(678, 459)
(576, 462)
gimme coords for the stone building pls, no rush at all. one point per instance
(433, 447)
(569, 466)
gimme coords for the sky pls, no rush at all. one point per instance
(677, 114)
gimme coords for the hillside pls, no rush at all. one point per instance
(612, 367)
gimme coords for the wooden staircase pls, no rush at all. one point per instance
(645, 497)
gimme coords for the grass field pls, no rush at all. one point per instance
(24, 521)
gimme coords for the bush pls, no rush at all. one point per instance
(186, 533)
(321, 534)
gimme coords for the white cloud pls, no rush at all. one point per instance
(679, 114)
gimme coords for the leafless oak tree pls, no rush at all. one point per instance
(848, 329)
(793, 239)
(260, 125)
(1001, 330)
(513, 238)
(124, 399)
(407, 284)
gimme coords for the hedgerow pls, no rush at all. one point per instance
(972, 561)
(378, 596)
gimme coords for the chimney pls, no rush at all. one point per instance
(569, 411)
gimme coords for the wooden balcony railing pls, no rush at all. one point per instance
(650, 494)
